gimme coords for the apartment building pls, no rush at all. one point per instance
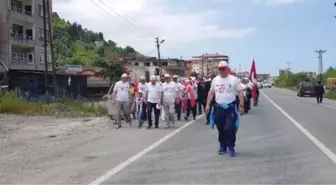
(147, 67)
(22, 38)
(22, 41)
(206, 64)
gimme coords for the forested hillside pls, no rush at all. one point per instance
(74, 44)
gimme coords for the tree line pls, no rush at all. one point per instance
(293, 80)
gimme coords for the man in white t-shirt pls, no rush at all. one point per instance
(225, 87)
(169, 97)
(121, 98)
(142, 86)
(153, 95)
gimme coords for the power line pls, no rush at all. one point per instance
(128, 20)
(121, 16)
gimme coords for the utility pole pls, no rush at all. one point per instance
(158, 43)
(45, 45)
(50, 36)
(289, 68)
(335, 6)
(202, 65)
(320, 57)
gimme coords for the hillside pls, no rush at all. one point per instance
(74, 44)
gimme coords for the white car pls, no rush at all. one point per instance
(266, 85)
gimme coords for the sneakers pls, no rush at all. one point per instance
(232, 152)
(222, 150)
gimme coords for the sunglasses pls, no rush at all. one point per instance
(222, 68)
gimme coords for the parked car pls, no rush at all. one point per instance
(266, 85)
(306, 89)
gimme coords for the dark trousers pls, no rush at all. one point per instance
(319, 98)
(192, 109)
(178, 110)
(201, 105)
(144, 112)
(150, 107)
(225, 120)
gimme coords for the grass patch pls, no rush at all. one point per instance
(9, 103)
(330, 95)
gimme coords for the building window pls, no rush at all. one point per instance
(40, 10)
(49, 59)
(41, 59)
(30, 58)
(22, 57)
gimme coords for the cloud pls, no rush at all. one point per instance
(277, 2)
(139, 21)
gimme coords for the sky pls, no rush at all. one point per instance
(273, 32)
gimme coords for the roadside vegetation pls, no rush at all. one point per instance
(10, 103)
(291, 81)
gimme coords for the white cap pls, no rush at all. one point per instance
(124, 75)
(167, 76)
(140, 91)
(153, 77)
(142, 78)
(223, 64)
(175, 76)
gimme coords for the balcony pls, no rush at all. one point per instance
(21, 14)
(23, 40)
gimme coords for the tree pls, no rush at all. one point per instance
(194, 74)
(113, 70)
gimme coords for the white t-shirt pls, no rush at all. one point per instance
(153, 92)
(170, 92)
(225, 89)
(180, 88)
(122, 89)
(142, 87)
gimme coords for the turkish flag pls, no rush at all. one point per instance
(253, 73)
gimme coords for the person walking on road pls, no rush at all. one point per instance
(153, 96)
(224, 112)
(191, 94)
(201, 98)
(178, 104)
(170, 96)
(121, 98)
(139, 107)
(319, 90)
(207, 89)
(142, 86)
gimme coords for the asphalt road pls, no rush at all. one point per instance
(272, 149)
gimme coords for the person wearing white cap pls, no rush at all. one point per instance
(224, 113)
(121, 98)
(153, 95)
(142, 86)
(178, 104)
(170, 95)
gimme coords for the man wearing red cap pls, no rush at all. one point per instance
(224, 113)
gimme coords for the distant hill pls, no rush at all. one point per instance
(74, 44)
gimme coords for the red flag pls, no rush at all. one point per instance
(253, 73)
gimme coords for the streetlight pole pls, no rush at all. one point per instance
(158, 43)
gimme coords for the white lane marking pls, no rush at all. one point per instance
(310, 136)
(137, 156)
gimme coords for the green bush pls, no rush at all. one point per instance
(9, 103)
(331, 95)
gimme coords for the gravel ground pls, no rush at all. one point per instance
(39, 138)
